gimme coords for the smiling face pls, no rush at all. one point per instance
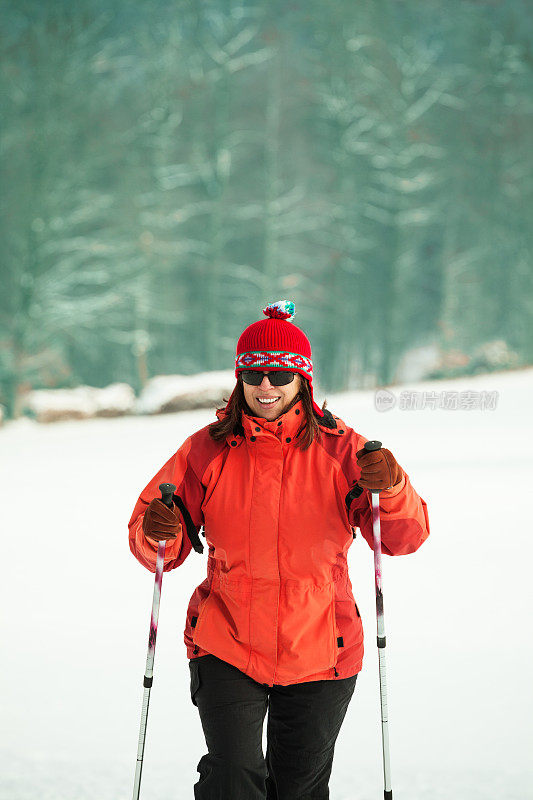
(282, 395)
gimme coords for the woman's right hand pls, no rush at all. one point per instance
(161, 523)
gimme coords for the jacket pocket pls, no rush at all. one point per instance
(223, 625)
(196, 621)
(344, 590)
(307, 635)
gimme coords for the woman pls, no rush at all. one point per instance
(274, 625)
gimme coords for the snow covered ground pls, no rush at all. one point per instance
(458, 613)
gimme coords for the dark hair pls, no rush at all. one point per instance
(231, 423)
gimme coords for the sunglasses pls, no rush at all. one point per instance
(255, 377)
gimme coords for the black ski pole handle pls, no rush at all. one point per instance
(167, 491)
(372, 445)
(356, 491)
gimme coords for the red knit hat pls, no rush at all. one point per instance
(276, 344)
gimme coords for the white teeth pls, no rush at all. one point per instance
(268, 402)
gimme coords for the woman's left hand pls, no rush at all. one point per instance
(379, 470)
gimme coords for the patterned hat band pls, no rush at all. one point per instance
(275, 358)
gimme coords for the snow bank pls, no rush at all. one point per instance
(114, 400)
(83, 402)
(162, 394)
(431, 361)
(166, 393)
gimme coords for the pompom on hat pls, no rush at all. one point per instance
(275, 343)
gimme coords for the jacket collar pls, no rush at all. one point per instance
(287, 425)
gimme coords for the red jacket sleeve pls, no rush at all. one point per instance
(178, 471)
(403, 518)
(403, 513)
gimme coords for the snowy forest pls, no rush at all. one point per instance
(170, 166)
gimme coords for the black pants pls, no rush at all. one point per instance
(304, 720)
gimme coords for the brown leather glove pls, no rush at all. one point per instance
(160, 522)
(379, 470)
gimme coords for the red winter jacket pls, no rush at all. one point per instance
(277, 602)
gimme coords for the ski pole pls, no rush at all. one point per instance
(167, 490)
(381, 639)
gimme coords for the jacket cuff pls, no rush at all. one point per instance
(155, 545)
(395, 489)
